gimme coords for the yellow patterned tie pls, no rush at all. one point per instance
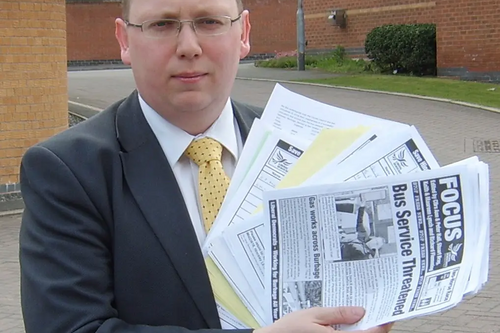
(212, 180)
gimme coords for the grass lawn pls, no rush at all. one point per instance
(471, 92)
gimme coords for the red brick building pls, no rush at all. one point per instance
(34, 35)
(33, 89)
(468, 31)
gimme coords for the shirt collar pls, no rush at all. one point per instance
(174, 140)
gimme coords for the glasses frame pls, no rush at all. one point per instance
(180, 22)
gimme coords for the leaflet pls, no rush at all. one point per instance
(221, 256)
(400, 153)
(228, 321)
(245, 241)
(329, 207)
(302, 116)
(409, 251)
(276, 157)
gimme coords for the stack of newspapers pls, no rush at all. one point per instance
(329, 207)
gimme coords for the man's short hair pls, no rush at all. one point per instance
(126, 7)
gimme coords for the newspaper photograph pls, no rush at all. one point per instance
(394, 245)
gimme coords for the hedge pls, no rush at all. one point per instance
(405, 48)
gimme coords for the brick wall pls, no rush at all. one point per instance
(33, 89)
(91, 38)
(91, 32)
(469, 39)
(362, 17)
(468, 30)
(91, 24)
(273, 25)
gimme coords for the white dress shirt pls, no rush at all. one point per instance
(174, 142)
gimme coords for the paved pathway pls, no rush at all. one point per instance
(448, 129)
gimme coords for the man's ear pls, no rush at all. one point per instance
(122, 38)
(245, 34)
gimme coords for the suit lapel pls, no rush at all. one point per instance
(154, 187)
(245, 115)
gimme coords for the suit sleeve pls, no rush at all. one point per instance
(65, 255)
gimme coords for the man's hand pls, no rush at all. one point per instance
(318, 320)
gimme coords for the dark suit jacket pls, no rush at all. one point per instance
(106, 242)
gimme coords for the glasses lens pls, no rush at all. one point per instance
(161, 28)
(214, 25)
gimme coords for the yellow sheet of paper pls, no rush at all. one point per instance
(225, 295)
(328, 144)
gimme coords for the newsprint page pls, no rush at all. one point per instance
(393, 245)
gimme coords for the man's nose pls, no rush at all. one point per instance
(188, 45)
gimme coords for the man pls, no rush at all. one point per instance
(111, 234)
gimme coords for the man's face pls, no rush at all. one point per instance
(186, 74)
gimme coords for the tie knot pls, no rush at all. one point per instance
(204, 150)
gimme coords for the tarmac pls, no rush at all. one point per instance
(453, 132)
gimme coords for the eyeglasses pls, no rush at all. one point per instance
(205, 26)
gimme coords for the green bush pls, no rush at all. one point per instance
(406, 48)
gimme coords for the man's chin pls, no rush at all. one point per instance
(192, 101)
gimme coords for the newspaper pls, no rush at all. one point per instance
(299, 121)
(399, 246)
(329, 207)
(245, 240)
